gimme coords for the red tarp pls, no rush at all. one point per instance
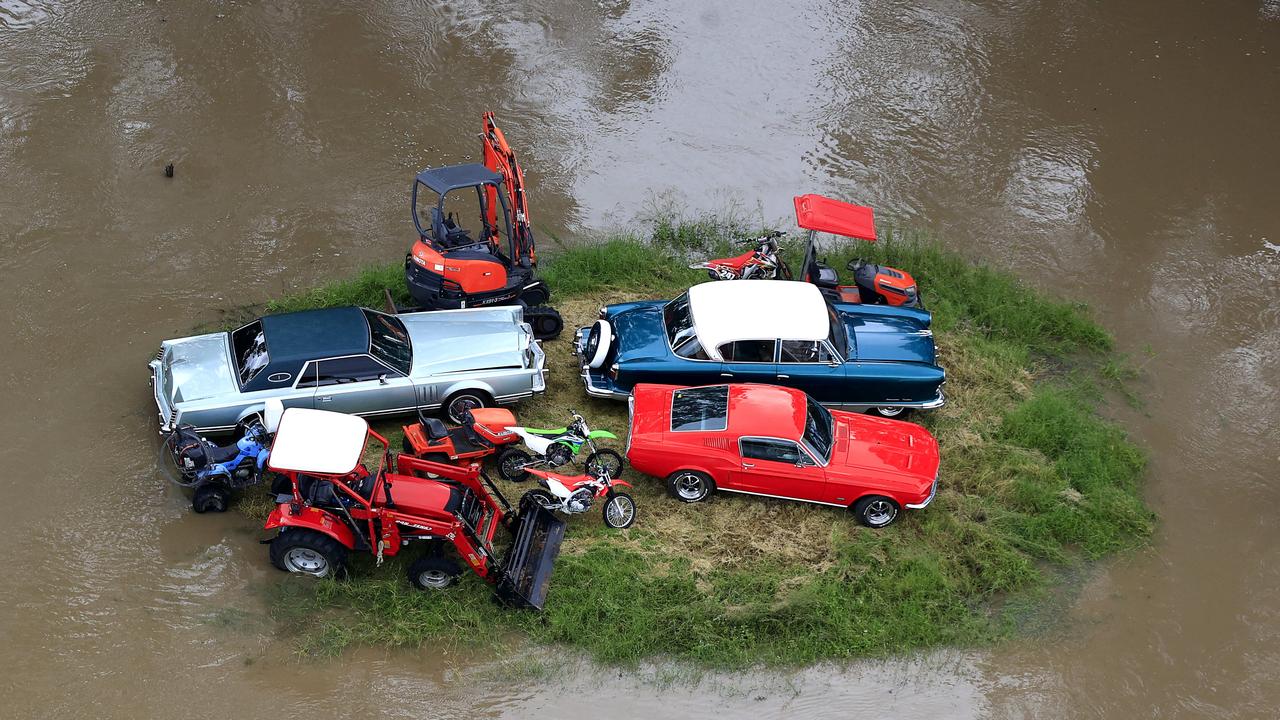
(815, 212)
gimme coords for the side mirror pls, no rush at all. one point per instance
(382, 379)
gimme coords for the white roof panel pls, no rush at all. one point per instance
(318, 441)
(729, 310)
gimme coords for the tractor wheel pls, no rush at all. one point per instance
(619, 511)
(885, 411)
(875, 511)
(434, 572)
(211, 497)
(690, 486)
(464, 400)
(607, 460)
(545, 321)
(512, 463)
(543, 499)
(308, 552)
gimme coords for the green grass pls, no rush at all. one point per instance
(1035, 486)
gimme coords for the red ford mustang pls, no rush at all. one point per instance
(778, 442)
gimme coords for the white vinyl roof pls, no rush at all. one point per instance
(318, 441)
(729, 310)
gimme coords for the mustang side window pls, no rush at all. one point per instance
(748, 351)
(805, 351)
(783, 451)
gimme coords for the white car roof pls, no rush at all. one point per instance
(318, 441)
(729, 310)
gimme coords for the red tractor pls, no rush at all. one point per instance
(463, 258)
(874, 284)
(330, 504)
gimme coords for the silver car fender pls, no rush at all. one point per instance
(461, 385)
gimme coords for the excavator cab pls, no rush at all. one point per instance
(474, 245)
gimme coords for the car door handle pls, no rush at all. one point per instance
(747, 465)
(784, 377)
(326, 398)
(726, 374)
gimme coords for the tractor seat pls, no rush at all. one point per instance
(364, 486)
(435, 429)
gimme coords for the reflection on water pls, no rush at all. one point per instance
(1123, 155)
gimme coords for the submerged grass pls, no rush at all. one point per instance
(1034, 484)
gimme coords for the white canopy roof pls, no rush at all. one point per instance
(318, 441)
(730, 310)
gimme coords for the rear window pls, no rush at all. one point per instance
(249, 345)
(704, 408)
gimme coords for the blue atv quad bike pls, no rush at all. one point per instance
(214, 471)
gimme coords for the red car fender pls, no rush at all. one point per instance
(311, 519)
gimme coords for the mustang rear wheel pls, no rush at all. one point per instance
(690, 486)
(211, 497)
(308, 552)
(434, 572)
(875, 511)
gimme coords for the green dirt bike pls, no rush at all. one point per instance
(553, 448)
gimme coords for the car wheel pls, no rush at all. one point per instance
(619, 511)
(690, 486)
(876, 511)
(211, 497)
(308, 552)
(434, 572)
(461, 401)
(888, 411)
(512, 463)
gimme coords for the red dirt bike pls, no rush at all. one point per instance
(573, 494)
(762, 263)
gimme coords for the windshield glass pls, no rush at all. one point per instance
(389, 341)
(250, 348)
(818, 430)
(678, 319)
(839, 338)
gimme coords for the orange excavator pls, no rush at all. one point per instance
(465, 260)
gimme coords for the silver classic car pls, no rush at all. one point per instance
(350, 360)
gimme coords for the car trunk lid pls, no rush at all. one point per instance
(460, 340)
(890, 338)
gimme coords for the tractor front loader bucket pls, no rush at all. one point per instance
(527, 570)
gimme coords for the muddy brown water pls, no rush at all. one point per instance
(1123, 153)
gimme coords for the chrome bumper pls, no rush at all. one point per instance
(593, 389)
(931, 404)
(932, 492)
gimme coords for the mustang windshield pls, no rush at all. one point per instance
(389, 341)
(678, 319)
(818, 430)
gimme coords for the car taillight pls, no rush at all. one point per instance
(613, 371)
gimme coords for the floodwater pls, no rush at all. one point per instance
(1126, 154)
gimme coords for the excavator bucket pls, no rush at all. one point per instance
(527, 569)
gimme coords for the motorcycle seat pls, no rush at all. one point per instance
(435, 429)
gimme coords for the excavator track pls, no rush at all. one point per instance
(545, 321)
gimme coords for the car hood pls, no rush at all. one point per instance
(460, 340)
(638, 331)
(887, 447)
(197, 368)
(890, 338)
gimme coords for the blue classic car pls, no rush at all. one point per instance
(872, 358)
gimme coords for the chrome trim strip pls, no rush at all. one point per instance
(932, 492)
(781, 497)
